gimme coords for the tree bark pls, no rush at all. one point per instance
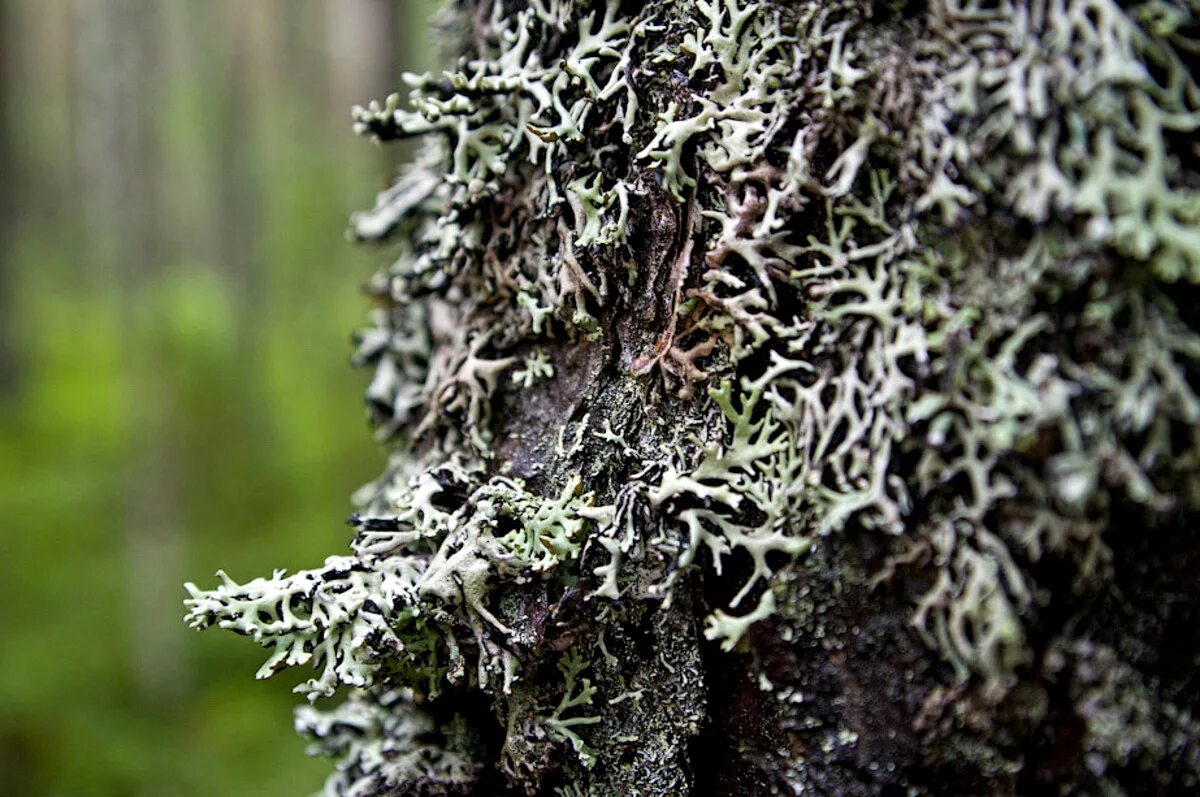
(784, 398)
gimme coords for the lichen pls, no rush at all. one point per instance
(577, 692)
(383, 742)
(730, 630)
(921, 276)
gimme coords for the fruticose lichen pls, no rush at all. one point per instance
(682, 290)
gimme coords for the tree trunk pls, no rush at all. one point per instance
(783, 398)
(8, 359)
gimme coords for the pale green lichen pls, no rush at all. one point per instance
(855, 381)
(334, 617)
(577, 692)
(590, 206)
(730, 629)
(420, 577)
(916, 289)
(755, 473)
(383, 742)
(537, 366)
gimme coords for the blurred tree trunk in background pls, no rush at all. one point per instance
(247, 40)
(363, 38)
(116, 103)
(119, 94)
(8, 364)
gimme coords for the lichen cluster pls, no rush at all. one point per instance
(922, 273)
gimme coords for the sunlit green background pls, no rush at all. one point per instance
(176, 304)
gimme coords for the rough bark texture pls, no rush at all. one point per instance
(785, 398)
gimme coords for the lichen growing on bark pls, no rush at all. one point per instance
(842, 335)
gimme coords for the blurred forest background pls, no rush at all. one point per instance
(176, 304)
